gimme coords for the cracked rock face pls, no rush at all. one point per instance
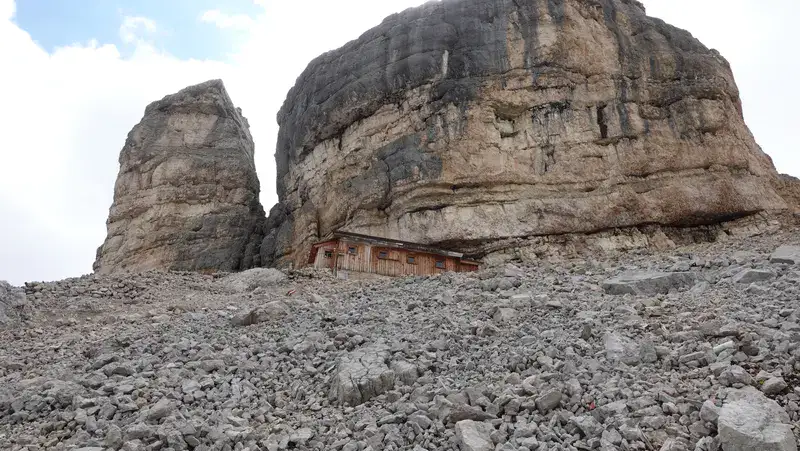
(470, 123)
(362, 375)
(186, 197)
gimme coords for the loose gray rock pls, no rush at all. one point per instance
(789, 255)
(474, 436)
(271, 311)
(361, 375)
(12, 302)
(750, 421)
(749, 276)
(648, 282)
(247, 281)
(774, 386)
(735, 376)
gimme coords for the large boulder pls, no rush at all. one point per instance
(474, 124)
(649, 283)
(786, 254)
(186, 197)
(251, 279)
(361, 375)
(750, 421)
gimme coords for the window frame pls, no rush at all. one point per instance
(327, 253)
(383, 255)
(352, 250)
(411, 259)
(437, 262)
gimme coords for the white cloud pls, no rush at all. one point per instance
(7, 9)
(135, 28)
(222, 20)
(67, 113)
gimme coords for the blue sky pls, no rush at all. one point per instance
(60, 23)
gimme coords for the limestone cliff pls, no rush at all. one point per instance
(464, 123)
(187, 193)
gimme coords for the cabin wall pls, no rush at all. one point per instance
(369, 258)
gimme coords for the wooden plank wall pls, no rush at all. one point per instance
(367, 259)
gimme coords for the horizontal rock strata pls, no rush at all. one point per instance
(186, 197)
(465, 123)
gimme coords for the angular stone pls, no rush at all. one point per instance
(735, 375)
(247, 281)
(474, 436)
(774, 386)
(588, 425)
(160, 410)
(623, 349)
(749, 276)
(361, 375)
(405, 372)
(646, 282)
(709, 411)
(750, 421)
(271, 311)
(548, 401)
(186, 197)
(789, 255)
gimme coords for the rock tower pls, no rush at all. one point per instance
(187, 193)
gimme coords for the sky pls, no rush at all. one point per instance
(78, 74)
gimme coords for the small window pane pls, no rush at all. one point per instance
(440, 264)
(352, 250)
(383, 254)
(328, 254)
(412, 260)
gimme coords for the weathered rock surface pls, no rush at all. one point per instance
(155, 360)
(475, 124)
(474, 436)
(186, 197)
(251, 279)
(362, 375)
(750, 421)
(789, 255)
(12, 302)
(648, 282)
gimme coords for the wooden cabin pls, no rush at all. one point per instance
(351, 255)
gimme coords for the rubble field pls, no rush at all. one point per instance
(695, 348)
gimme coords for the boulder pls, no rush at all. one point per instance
(251, 279)
(749, 276)
(271, 311)
(361, 375)
(187, 193)
(622, 349)
(789, 255)
(648, 283)
(750, 421)
(479, 125)
(474, 436)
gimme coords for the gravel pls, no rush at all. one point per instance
(664, 350)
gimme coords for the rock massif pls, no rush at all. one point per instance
(468, 123)
(187, 194)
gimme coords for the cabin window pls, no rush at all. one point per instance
(383, 255)
(352, 250)
(411, 260)
(440, 264)
(329, 254)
